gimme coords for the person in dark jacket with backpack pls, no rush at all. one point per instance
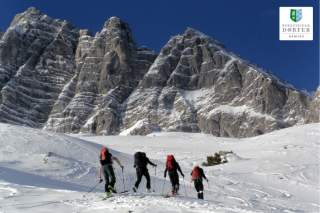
(106, 161)
(196, 175)
(172, 167)
(140, 163)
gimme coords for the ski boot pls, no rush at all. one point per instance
(134, 189)
(111, 189)
(108, 194)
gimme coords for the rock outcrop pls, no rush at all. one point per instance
(36, 61)
(108, 68)
(60, 78)
(314, 108)
(196, 85)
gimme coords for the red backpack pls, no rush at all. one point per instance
(103, 153)
(170, 163)
(195, 173)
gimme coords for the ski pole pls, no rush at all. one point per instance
(155, 175)
(93, 188)
(185, 189)
(164, 182)
(124, 186)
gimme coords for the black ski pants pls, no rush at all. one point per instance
(142, 172)
(174, 179)
(109, 177)
(199, 187)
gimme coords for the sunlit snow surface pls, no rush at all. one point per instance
(46, 172)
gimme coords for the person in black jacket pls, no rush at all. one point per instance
(140, 163)
(106, 161)
(172, 167)
(196, 175)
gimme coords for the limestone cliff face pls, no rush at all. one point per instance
(314, 108)
(109, 67)
(36, 61)
(60, 78)
(196, 85)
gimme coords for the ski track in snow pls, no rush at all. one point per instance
(47, 172)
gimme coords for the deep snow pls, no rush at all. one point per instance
(42, 171)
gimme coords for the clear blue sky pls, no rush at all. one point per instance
(248, 28)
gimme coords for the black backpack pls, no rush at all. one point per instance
(140, 159)
(105, 156)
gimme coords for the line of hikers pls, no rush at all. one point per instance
(140, 164)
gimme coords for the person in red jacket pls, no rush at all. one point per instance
(197, 175)
(106, 161)
(172, 167)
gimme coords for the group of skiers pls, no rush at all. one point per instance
(140, 164)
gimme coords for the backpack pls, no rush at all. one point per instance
(170, 165)
(104, 154)
(140, 159)
(196, 173)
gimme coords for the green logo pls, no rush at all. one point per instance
(296, 15)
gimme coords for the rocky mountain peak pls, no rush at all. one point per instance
(115, 22)
(117, 30)
(33, 17)
(84, 32)
(57, 77)
(36, 54)
(116, 25)
(31, 14)
(109, 67)
(197, 85)
(191, 32)
(32, 10)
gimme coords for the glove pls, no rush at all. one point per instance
(134, 166)
(155, 165)
(165, 175)
(182, 175)
(122, 167)
(100, 180)
(207, 180)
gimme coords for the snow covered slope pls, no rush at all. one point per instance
(47, 172)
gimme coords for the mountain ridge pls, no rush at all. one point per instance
(57, 77)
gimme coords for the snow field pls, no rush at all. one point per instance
(42, 171)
